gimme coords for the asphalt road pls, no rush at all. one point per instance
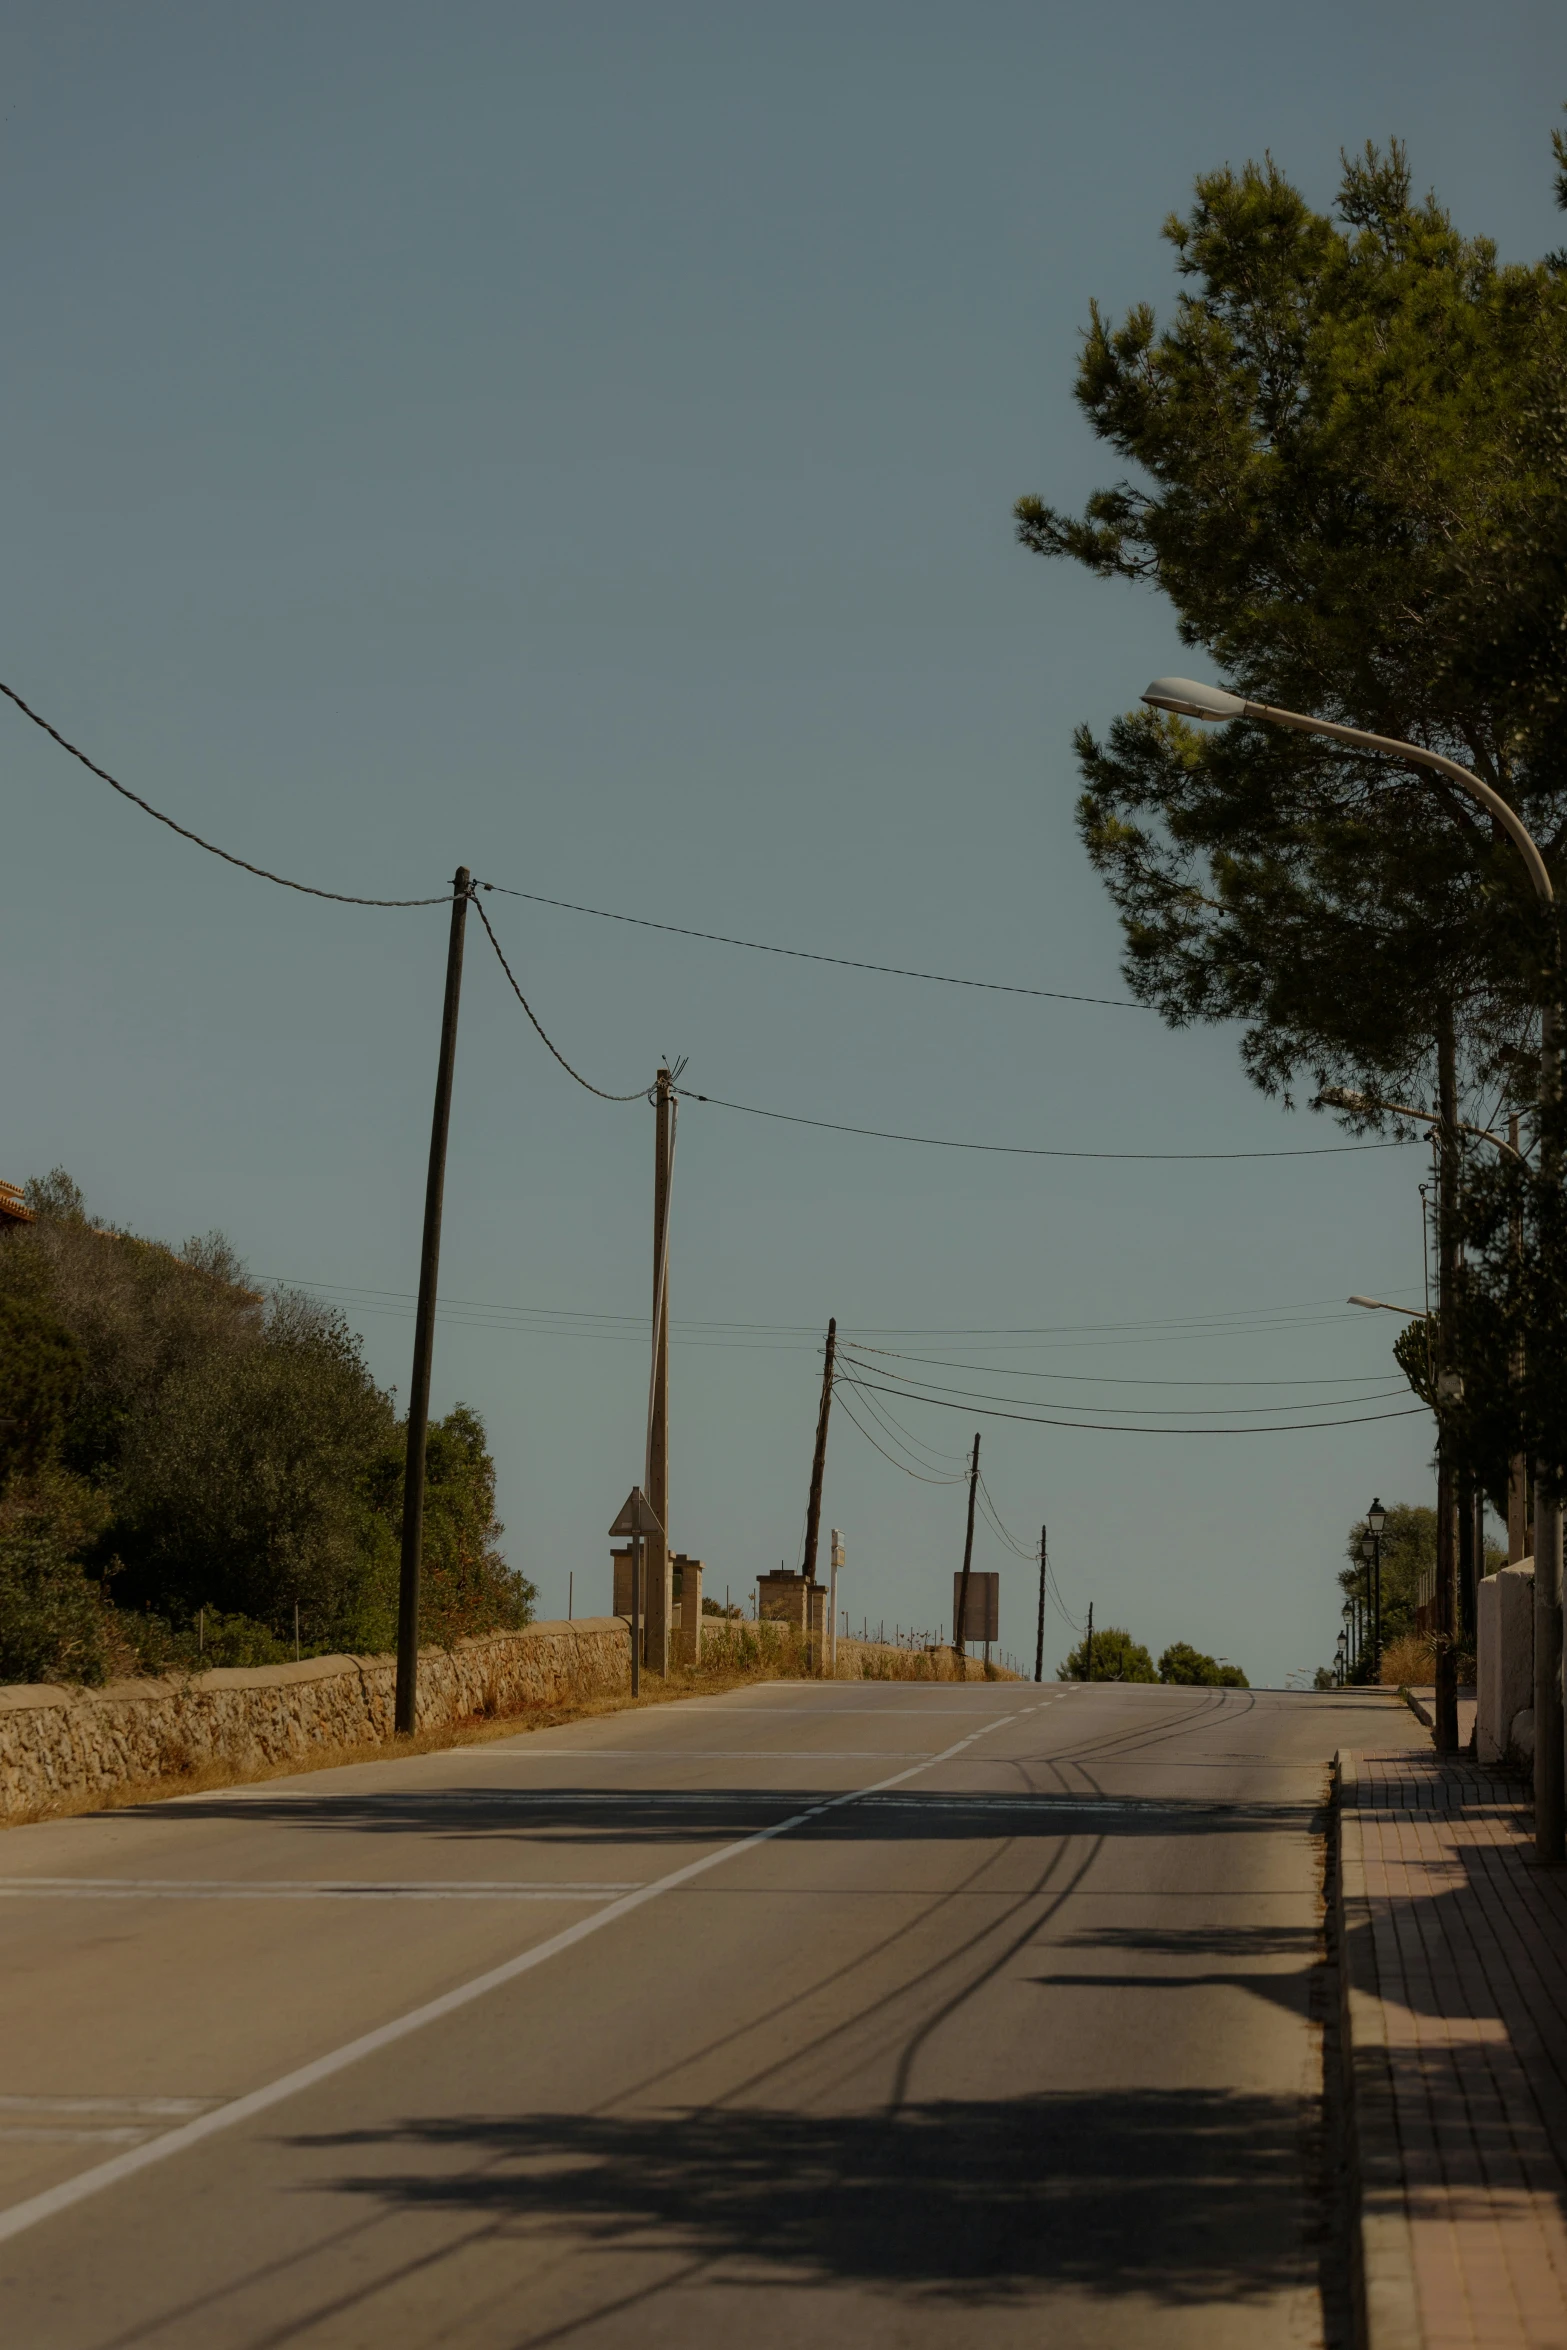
(878, 2014)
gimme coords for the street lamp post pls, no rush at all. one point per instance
(1376, 1519)
(1210, 703)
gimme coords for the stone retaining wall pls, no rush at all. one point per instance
(57, 1744)
(60, 1745)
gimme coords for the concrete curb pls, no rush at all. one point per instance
(1417, 1708)
(1387, 2307)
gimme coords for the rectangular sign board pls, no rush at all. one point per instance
(984, 1606)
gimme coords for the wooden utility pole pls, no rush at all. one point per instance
(1447, 1614)
(813, 1512)
(407, 1703)
(659, 1573)
(961, 1626)
(1089, 1644)
(1039, 1637)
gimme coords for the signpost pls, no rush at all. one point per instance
(636, 1519)
(982, 1617)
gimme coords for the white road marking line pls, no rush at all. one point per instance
(117, 2135)
(93, 2181)
(303, 1889)
(160, 2106)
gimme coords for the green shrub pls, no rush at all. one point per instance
(1116, 1657)
(240, 1457)
(55, 1624)
(1188, 1667)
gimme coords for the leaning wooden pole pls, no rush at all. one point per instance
(1039, 1635)
(407, 1703)
(813, 1514)
(961, 1626)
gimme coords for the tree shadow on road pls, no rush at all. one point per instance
(674, 1816)
(1183, 2197)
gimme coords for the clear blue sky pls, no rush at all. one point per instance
(580, 443)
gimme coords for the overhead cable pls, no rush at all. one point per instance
(1195, 1328)
(759, 946)
(306, 888)
(936, 1456)
(1025, 1150)
(1123, 1428)
(1100, 1378)
(987, 1504)
(642, 1091)
(927, 1469)
(924, 1390)
(917, 1474)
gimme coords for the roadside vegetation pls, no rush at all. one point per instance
(1345, 454)
(1116, 1656)
(194, 1472)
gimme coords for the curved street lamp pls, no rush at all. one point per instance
(1190, 699)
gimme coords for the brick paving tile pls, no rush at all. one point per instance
(1455, 1996)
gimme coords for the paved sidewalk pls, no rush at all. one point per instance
(1454, 1978)
(1424, 1696)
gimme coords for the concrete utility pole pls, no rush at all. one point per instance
(1039, 1637)
(1518, 1467)
(406, 1707)
(832, 1601)
(659, 1586)
(961, 1626)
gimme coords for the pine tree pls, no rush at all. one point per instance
(1348, 442)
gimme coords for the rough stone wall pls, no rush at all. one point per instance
(60, 1744)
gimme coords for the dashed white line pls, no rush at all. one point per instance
(101, 2175)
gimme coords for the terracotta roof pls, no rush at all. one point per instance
(13, 1207)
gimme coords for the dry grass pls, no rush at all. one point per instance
(1409, 1663)
(732, 1664)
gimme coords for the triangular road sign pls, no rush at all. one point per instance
(636, 1516)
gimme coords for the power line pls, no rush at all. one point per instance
(988, 1505)
(642, 1092)
(927, 1390)
(1103, 1379)
(1122, 1428)
(918, 1474)
(1195, 1328)
(306, 888)
(924, 1467)
(758, 946)
(935, 1455)
(1024, 1150)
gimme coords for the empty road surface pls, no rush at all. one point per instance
(889, 2014)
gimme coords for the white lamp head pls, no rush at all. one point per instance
(1191, 700)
